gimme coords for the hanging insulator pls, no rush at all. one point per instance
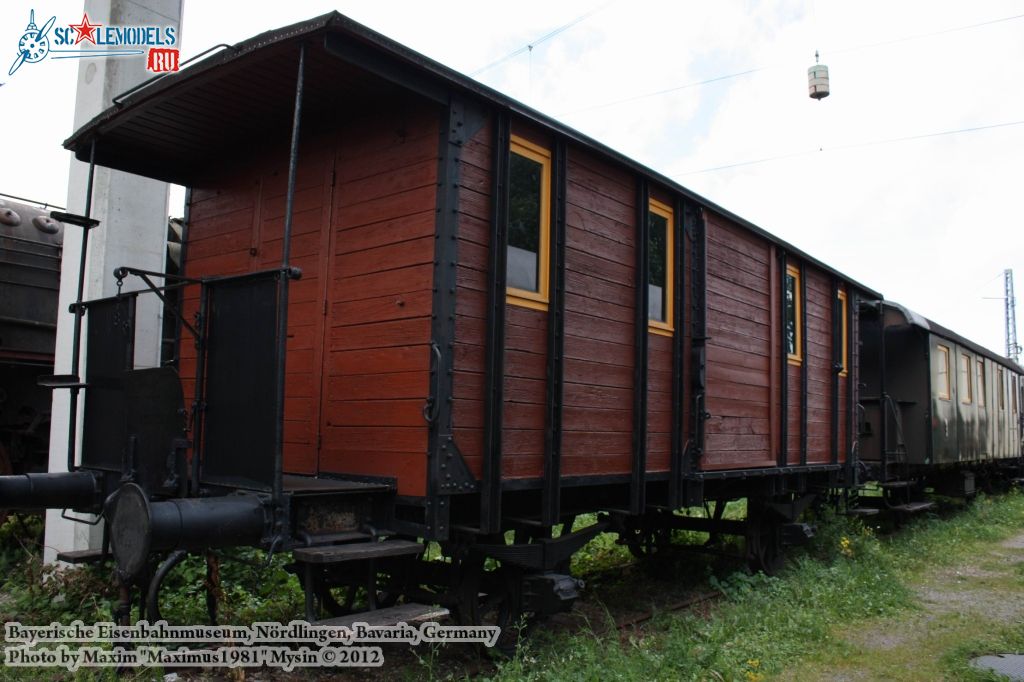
(817, 79)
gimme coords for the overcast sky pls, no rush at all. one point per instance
(931, 221)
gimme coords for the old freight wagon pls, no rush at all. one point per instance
(440, 313)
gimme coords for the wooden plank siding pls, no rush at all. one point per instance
(599, 317)
(739, 348)
(471, 298)
(236, 224)
(359, 319)
(377, 362)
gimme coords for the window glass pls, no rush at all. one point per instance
(942, 372)
(529, 207)
(793, 303)
(659, 265)
(966, 390)
(524, 208)
(1001, 388)
(981, 383)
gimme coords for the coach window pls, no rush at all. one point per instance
(966, 392)
(942, 372)
(659, 268)
(529, 219)
(793, 307)
(844, 348)
(1001, 387)
(981, 383)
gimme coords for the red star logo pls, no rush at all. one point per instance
(85, 30)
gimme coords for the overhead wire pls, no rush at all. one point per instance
(854, 145)
(544, 38)
(746, 72)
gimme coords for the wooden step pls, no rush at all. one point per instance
(356, 551)
(913, 507)
(404, 613)
(861, 511)
(340, 536)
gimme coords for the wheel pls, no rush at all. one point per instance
(646, 537)
(493, 596)
(764, 540)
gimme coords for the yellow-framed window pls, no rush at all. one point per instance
(981, 382)
(529, 225)
(844, 347)
(660, 268)
(794, 306)
(942, 372)
(966, 387)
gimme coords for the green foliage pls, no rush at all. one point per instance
(848, 574)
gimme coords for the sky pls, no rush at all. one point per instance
(712, 93)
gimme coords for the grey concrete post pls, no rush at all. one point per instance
(133, 231)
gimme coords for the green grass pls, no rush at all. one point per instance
(851, 576)
(848, 575)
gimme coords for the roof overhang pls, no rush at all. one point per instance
(921, 322)
(177, 127)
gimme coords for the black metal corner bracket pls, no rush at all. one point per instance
(447, 471)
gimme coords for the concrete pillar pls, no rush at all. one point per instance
(133, 230)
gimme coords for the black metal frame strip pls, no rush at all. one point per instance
(783, 457)
(804, 364)
(285, 278)
(490, 493)
(77, 310)
(637, 488)
(698, 340)
(852, 374)
(883, 394)
(198, 394)
(551, 497)
(837, 367)
(676, 464)
(447, 473)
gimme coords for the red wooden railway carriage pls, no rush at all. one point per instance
(443, 314)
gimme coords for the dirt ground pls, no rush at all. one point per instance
(973, 599)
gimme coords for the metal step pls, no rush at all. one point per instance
(404, 613)
(897, 484)
(60, 381)
(356, 551)
(861, 511)
(912, 507)
(81, 556)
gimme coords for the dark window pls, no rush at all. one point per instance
(793, 313)
(657, 275)
(524, 223)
